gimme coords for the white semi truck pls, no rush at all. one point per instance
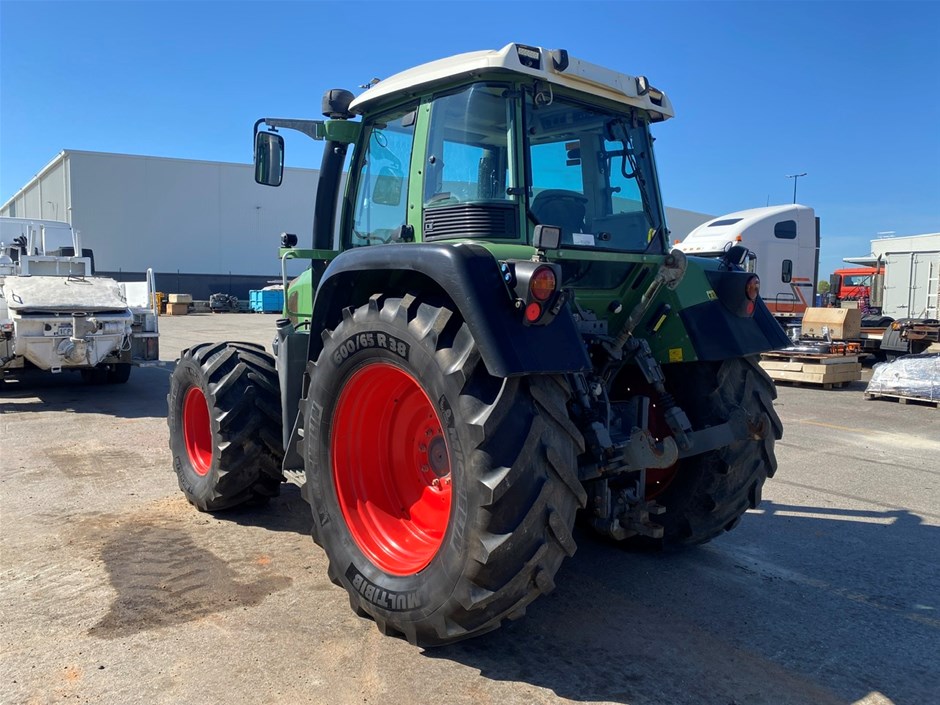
(783, 244)
(56, 315)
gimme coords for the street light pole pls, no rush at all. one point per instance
(795, 178)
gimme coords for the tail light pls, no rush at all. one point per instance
(751, 291)
(535, 288)
(752, 288)
(533, 312)
(737, 291)
(542, 283)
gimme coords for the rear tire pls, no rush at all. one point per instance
(94, 375)
(710, 492)
(399, 398)
(224, 417)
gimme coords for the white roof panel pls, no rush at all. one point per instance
(523, 59)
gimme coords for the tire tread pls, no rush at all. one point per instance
(239, 380)
(529, 493)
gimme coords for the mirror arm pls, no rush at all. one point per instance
(311, 128)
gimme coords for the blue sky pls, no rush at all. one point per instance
(848, 92)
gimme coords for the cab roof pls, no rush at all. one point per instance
(552, 65)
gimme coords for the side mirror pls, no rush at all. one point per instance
(835, 284)
(388, 188)
(269, 158)
(876, 291)
(736, 256)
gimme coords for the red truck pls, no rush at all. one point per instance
(854, 284)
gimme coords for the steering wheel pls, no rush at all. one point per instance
(442, 198)
(374, 238)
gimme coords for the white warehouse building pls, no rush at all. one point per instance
(203, 227)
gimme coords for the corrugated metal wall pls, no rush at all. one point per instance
(171, 214)
(44, 198)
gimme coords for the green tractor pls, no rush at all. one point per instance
(497, 342)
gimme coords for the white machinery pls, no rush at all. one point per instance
(784, 252)
(909, 281)
(56, 315)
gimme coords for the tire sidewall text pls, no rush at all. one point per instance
(354, 345)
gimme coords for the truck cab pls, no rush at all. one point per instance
(783, 245)
(853, 284)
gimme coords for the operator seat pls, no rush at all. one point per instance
(560, 207)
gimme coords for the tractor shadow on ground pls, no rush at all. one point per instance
(782, 610)
(286, 512)
(143, 396)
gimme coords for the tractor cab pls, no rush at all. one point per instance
(491, 144)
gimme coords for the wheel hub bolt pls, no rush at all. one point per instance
(437, 456)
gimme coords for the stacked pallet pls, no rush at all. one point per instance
(909, 378)
(178, 304)
(827, 370)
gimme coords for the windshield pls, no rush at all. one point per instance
(55, 238)
(592, 174)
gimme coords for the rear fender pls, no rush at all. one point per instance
(466, 274)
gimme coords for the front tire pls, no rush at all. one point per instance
(94, 375)
(710, 492)
(443, 497)
(224, 418)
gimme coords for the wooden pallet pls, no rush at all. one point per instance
(902, 399)
(821, 369)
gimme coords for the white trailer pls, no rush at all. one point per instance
(909, 286)
(784, 246)
(56, 315)
(906, 288)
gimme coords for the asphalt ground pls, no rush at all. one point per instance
(114, 590)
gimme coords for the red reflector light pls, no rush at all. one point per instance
(532, 312)
(752, 288)
(542, 284)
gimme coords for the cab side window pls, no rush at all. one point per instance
(381, 202)
(468, 148)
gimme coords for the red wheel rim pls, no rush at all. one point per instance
(658, 479)
(391, 468)
(197, 431)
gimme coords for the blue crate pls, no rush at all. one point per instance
(266, 300)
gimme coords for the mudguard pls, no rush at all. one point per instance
(722, 328)
(469, 276)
